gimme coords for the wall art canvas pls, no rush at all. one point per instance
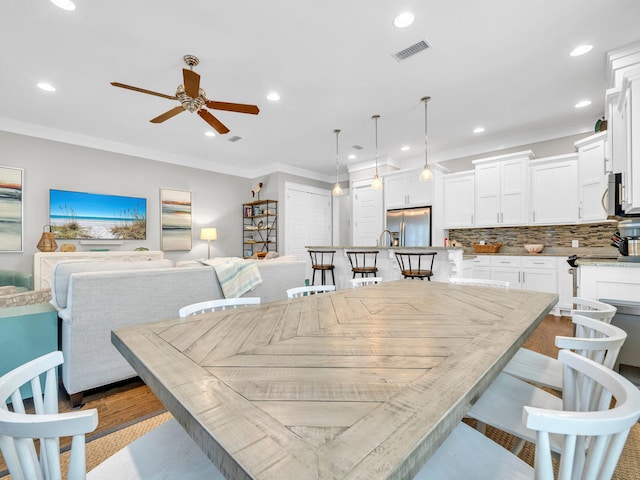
(11, 209)
(175, 207)
(93, 216)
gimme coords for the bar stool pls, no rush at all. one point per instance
(322, 260)
(363, 262)
(414, 264)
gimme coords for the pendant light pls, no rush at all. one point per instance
(337, 189)
(426, 173)
(376, 184)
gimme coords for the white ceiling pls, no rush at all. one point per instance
(502, 64)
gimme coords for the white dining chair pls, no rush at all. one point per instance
(501, 403)
(593, 438)
(480, 282)
(296, 292)
(165, 452)
(361, 282)
(546, 371)
(217, 305)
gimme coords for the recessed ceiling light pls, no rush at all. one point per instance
(583, 103)
(405, 148)
(581, 50)
(352, 156)
(64, 4)
(403, 20)
(210, 133)
(273, 96)
(478, 130)
(47, 87)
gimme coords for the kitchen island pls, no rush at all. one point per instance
(447, 263)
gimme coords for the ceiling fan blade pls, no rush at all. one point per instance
(167, 115)
(233, 107)
(213, 121)
(191, 83)
(142, 90)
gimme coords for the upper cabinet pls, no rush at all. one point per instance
(593, 167)
(501, 190)
(404, 189)
(459, 199)
(623, 109)
(554, 190)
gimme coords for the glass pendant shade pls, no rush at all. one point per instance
(376, 184)
(426, 173)
(337, 189)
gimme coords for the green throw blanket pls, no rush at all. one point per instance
(236, 276)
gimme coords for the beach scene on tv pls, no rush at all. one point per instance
(91, 216)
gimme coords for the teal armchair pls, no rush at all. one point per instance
(22, 281)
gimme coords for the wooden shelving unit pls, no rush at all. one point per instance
(259, 227)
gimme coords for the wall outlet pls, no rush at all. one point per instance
(575, 243)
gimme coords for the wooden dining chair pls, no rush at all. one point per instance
(593, 437)
(296, 292)
(217, 305)
(545, 371)
(165, 452)
(501, 404)
(416, 264)
(363, 281)
(479, 282)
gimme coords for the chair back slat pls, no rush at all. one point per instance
(593, 309)
(296, 292)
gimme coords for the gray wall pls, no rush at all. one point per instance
(216, 198)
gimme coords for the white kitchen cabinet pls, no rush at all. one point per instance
(481, 267)
(554, 190)
(526, 273)
(459, 199)
(592, 177)
(629, 108)
(404, 189)
(501, 190)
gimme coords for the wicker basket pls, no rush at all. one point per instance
(488, 248)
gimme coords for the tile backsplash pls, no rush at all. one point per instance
(588, 235)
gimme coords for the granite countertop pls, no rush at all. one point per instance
(376, 247)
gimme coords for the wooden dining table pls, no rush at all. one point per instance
(362, 383)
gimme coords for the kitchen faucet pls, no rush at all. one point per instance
(382, 235)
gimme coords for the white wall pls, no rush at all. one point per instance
(216, 198)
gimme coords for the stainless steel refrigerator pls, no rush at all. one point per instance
(410, 227)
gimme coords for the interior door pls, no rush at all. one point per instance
(367, 215)
(307, 219)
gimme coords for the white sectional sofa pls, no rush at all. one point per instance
(95, 297)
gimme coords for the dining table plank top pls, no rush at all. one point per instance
(356, 384)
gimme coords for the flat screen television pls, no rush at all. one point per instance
(93, 216)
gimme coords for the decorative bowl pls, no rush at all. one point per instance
(534, 248)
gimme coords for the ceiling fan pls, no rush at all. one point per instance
(193, 99)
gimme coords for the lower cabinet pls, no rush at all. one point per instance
(537, 273)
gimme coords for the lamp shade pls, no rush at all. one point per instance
(208, 233)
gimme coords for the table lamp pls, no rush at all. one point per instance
(208, 234)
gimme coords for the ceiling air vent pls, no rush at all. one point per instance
(235, 138)
(412, 50)
(358, 147)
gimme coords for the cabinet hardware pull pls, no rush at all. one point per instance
(497, 217)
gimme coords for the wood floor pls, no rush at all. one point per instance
(127, 402)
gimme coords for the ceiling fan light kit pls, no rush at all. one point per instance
(192, 98)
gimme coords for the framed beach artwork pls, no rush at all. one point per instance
(175, 208)
(11, 209)
(95, 216)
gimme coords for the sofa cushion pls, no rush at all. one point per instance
(62, 271)
(8, 290)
